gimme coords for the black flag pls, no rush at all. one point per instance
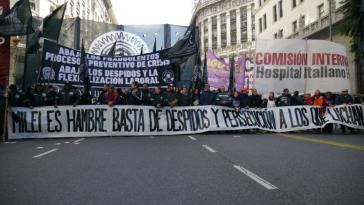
(232, 75)
(155, 45)
(112, 50)
(84, 76)
(50, 28)
(17, 21)
(204, 72)
(141, 50)
(185, 47)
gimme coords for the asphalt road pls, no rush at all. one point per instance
(199, 169)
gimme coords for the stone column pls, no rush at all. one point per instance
(202, 34)
(238, 27)
(218, 31)
(249, 22)
(228, 33)
(210, 32)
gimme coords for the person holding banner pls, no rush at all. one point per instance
(207, 97)
(171, 96)
(196, 97)
(135, 96)
(68, 96)
(255, 99)
(223, 98)
(37, 97)
(51, 97)
(146, 95)
(244, 98)
(157, 99)
(15, 97)
(344, 99)
(184, 98)
(284, 99)
(100, 100)
(270, 102)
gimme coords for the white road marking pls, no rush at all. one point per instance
(76, 143)
(79, 140)
(66, 142)
(57, 144)
(40, 147)
(208, 148)
(256, 178)
(45, 153)
(236, 136)
(192, 138)
(151, 137)
(10, 142)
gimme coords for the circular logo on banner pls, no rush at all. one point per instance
(126, 44)
(249, 65)
(48, 73)
(168, 76)
(2, 40)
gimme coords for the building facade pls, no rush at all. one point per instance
(305, 19)
(226, 26)
(95, 10)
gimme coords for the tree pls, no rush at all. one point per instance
(353, 23)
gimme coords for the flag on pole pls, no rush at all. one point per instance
(155, 45)
(17, 21)
(205, 72)
(50, 28)
(141, 50)
(84, 75)
(112, 50)
(232, 75)
(185, 47)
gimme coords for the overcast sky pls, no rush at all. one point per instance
(176, 12)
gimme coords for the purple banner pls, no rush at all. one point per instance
(218, 71)
(240, 73)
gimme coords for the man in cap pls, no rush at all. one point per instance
(170, 96)
(157, 98)
(37, 97)
(284, 99)
(344, 99)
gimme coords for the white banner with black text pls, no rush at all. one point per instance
(101, 120)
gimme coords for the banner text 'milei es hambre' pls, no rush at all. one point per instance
(100, 120)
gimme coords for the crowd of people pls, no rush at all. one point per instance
(41, 95)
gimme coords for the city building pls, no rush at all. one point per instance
(95, 10)
(305, 19)
(226, 26)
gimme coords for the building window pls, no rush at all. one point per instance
(233, 27)
(294, 26)
(275, 35)
(302, 21)
(274, 13)
(206, 34)
(214, 32)
(321, 10)
(280, 33)
(260, 2)
(260, 25)
(253, 22)
(32, 6)
(223, 31)
(294, 3)
(280, 9)
(243, 24)
(264, 21)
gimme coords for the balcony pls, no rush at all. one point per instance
(317, 25)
